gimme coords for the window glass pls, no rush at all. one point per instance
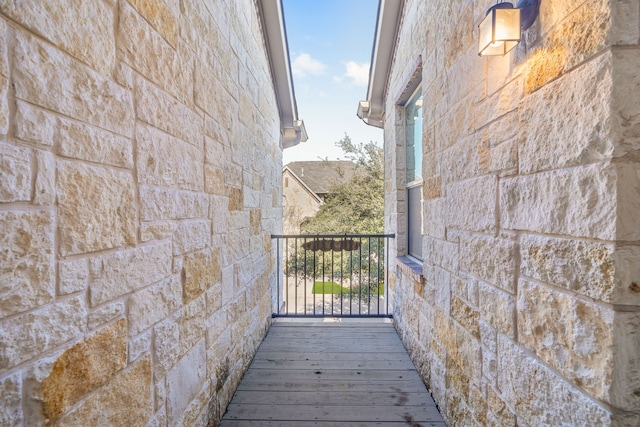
(413, 138)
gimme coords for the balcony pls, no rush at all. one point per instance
(332, 371)
(332, 355)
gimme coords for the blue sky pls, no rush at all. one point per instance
(330, 45)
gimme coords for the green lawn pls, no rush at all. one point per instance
(329, 288)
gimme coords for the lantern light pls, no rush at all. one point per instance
(501, 28)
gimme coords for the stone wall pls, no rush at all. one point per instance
(528, 309)
(140, 183)
(298, 203)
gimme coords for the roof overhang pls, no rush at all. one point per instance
(272, 17)
(371, 110)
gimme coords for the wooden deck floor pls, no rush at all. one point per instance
(353, 372)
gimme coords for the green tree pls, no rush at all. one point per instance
(356, 206)
(353, 207)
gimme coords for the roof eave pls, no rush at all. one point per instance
(292, 127)
(371, 110)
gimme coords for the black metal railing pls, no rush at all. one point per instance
(332, 275)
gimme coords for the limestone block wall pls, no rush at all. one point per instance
(140, 183)
(528, 309)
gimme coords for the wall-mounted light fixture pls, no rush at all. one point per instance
(502, 26)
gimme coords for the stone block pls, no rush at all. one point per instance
(163, 203)
(122, 272)
(626, 361)
(77, 140)
(489, 367)
(442, 253)
(161, 18)
(26, 261)
(207, 84)
(150, 305)
(34, 125)
(625, 121)
(459, 161)
(627, 275)
(201, 271)
(146, 51)
(191, 235)
(11, 400)
(140, 345)
(47, 77)
(471, 204)
(166, 161)
(166, 345)
(434, 218)
(464, 361)
(83, 29)
(72, 276)
(44, 186)
(40, 331)
(15, 173)
(155, 231)
(96, 208)
(466, 316)
(624, 27)
(455, 124)
(185, 381)
(489, 259)
(497, 309)
(540, 396)
(579, 36)
(192, 324)
(236, 199)
(105, 314)
(564, 131)
(628, 202)
(571, 335)
(125, 400)
(579, 202)
(214, 180)
(582, 266)
(498, 412)
(83, 368)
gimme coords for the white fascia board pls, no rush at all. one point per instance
(371, 110)
(273, 27)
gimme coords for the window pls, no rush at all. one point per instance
(413, 172)
(286, 181)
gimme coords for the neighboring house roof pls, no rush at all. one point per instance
(371, 110)
(319, 176)
(302, 184)
(272, 18)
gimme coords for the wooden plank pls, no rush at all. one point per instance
(409, 385)
(341, 346)
(395, 396)
(280, 375)
(276, 354)
(415, 414)
(281, 423)
(360, 363)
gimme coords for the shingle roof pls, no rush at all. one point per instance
(319, 176)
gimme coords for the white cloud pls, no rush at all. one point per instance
(358, 72)
(304, 65)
